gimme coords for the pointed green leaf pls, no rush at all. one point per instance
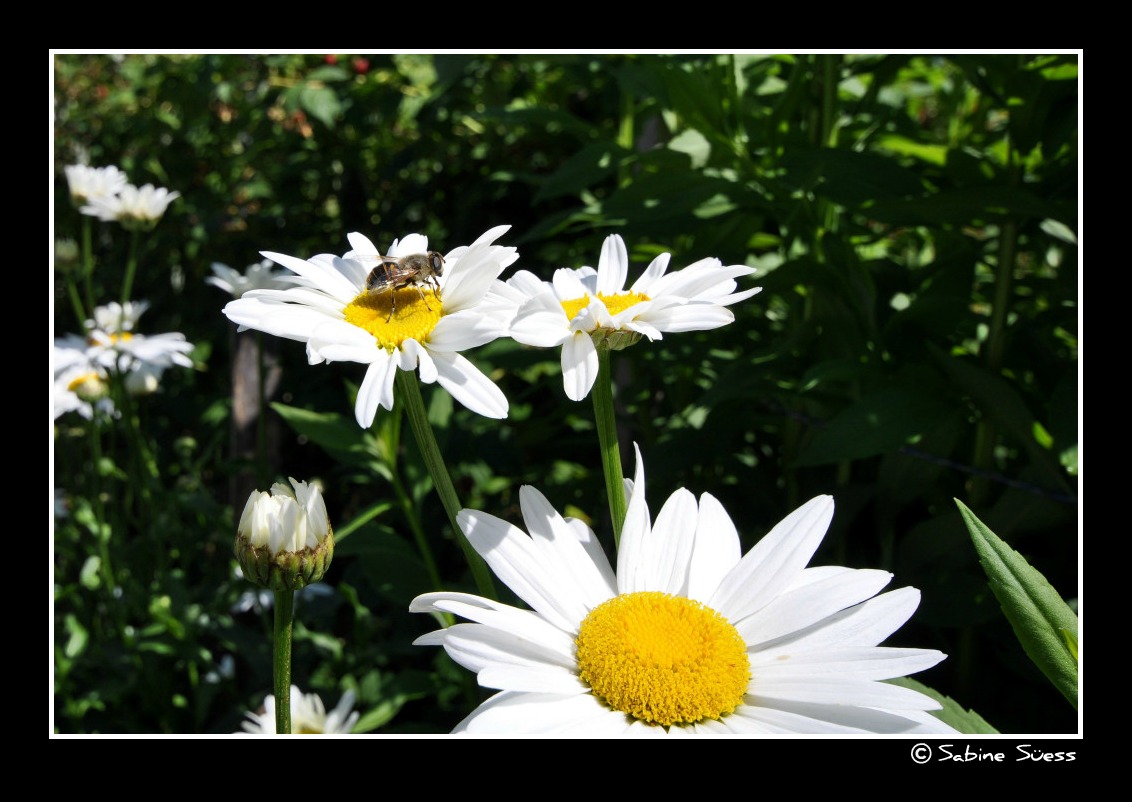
(966, 721)
(1043, 623)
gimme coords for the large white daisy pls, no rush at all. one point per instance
(689, 636)
(582, 307)
(339, 319)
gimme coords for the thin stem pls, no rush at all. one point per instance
(87, 266)
(607, 441)
(131, 268)
(409, 394)
(284, 619)
(76, 301)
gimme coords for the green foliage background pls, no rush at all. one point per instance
(913, 218)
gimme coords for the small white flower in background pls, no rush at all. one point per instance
(90, 183)
(114, 318)
(308, 715)
(62, 506)
(113, 344)
(340, 319)
(79, 383)
(258, 276)
(583, 308)
(284, 540)
(136, 208)
(689, 636)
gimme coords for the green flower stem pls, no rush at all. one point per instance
(409, 394)
(87, 266)
(284, 619)
(607, 440)
(131, 268)
(76, 301)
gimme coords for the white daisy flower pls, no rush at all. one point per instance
(258, 276)
(87, 183)
(582, 308)
(79, 383)
(136, 208)
(116, 318)
(402, 325)
(146, 355)
(688, 636)
(308, 715)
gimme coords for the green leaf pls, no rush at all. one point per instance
(321, 103)
(882, 422)
(587, 167)
(1043, 623)
(966, 721)
(340, 437)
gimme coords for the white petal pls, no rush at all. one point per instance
(534, 679)
(579, 366)
(774, 561)
(594, 549)
(474, 271)
(426, 365)
(521, 565)
(871, 663)
(568, 284)
(534, 637)
(469, 386)
(840, 690)
(634, 535)
(798, 608)
(362, 244)
(612, 265)
(558, 540)
(512, 712)
(320, 273)
(653, 272)
(716, 550)
(376, 389)
(541, 321)
(412, 243)
(819, 719)
(865, 624)
(666, 551)
(463, 330)
(690, 317)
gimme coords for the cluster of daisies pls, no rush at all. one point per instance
(84, 366)
(111, 347)
(683, 634)
(105, 193)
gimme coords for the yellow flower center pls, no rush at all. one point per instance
(614, 303)
(87, 385)
(398, 315)
(120, 337)
(663, 659)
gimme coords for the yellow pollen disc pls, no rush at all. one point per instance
(663, 659)
(614, 303)
(84, 381)
(415, 318)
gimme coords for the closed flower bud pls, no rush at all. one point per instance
(284, 541)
